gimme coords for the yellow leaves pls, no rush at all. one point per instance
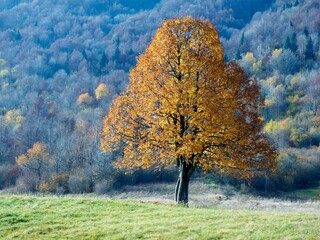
(102, 91)
(189, 148)
(269, 102)
(4, 73)
(85, 99)
(249, 57)
(314, 131)
(39, 149)
(275, 127)
(257, 66)
(22, 159)
(34, 155)
(271, 81)
(277, 52)
(295, 80)
(14, 118)
(44, 187)
(183, 101)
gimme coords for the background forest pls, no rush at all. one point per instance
(63, 62)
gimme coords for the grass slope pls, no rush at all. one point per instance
(28, 217)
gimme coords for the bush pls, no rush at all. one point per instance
(104, 186)
(79, 183)
(9, 175)
(113, 179)
(148, 176)
(59, 183)
(296, 168)
(44, 187)
(26, 183)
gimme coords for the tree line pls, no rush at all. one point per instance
(61, 69)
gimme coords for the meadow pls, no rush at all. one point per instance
(89, 217)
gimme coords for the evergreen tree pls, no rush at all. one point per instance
(291, 43)
(103, 62)
(287, 44)
(294, 45)
(306, 32)
(238, 56)
(309, 52)
(242, 39)
(116, 54)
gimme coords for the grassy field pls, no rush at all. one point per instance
(211, 195)
(30, 217)
(309, 194)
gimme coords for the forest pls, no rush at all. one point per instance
(62, 63)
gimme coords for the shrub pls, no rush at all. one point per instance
(59, 183)
(9, 175)
(104, 186)
(296, 168)
(44, 187)
(26, 183)
(79, 183)
(3, 172)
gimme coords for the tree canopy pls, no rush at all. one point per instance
(184, 106)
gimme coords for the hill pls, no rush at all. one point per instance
(88, 218)
(63, 62)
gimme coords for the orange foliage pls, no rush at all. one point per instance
(185, 106)
(102, 91)
(85, 99)
(44, 187)
(35, 160)
(14, 118)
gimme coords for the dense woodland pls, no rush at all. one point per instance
(63, 62)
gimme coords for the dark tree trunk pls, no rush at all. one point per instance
(182, 186)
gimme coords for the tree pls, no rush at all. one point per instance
(85, 99)
(35, 160)
(184, 106)
(306, 31)
(102, 91)
(309, 52)
(238, 55)
(242, 39)
(291, 43)
(294, 45)
(287, 44)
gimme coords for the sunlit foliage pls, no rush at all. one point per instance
(35, 160)
(102, 91)
(85, 99)
(184, 106)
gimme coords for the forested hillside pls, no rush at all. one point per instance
(63, 62)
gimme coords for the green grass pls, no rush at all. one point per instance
(307, 194)
(30, 217)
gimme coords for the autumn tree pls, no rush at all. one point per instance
(85, 99)
(185, 107)
(36, 160)
(102, 91)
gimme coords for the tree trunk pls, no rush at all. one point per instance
(182, 186)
